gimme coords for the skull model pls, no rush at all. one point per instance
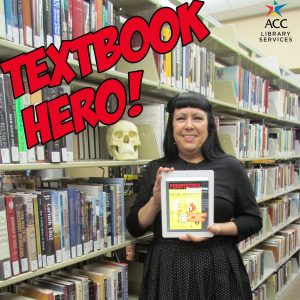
(123, 141)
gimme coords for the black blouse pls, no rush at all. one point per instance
(234, 196)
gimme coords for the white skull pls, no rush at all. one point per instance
(123, 141)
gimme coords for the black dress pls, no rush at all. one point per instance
(208, 270)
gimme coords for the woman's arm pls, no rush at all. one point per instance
(147, 213)
(147, 204)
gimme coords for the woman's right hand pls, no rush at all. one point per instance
(157, 184)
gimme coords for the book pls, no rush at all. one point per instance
(5, 266)
(12, 234)
(21, 232)
(5, 156)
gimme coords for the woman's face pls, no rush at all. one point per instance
(190, 131)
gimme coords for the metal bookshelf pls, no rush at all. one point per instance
(73, 164)
(73, 261)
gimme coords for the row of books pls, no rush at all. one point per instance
(251, 91)
(280, 246)
(281, 277)
(187, 68)
(274, 216)
(269, 181)
(98, 281)
(44, 227)
(39, 23)
(285, 105)
(260, 293)
(88, 144)
(243, 139)
(12, 135)
(254, 263)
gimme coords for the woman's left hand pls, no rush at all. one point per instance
(228, 228)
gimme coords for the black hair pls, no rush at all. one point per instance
(211, 149)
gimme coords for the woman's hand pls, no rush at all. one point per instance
(157, 184)
(149, 211)
(228, 228)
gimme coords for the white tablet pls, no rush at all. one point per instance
(187, 202)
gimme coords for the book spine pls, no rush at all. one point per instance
(64, 15)
(12, 234)
(77, 18)
(2, 21)
(42, 229)
(16, 36)
(12, 122)
(72, 222)
(101, 220)
(109, 232)
(20, 129)
(5, 266)
(30, 232)
(56, 225)
(56, 23)
(8, 20)
(47, 11)
(21, 233)
(48, 229)
(37, 23)
(63, 141)
(66, 228)
(4, 140)
(20, 22)
(53, 147)
(70, 19)
(27, 22)
(37, 230)
(78, 223)
(84, 214)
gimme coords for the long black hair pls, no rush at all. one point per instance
(211, 149)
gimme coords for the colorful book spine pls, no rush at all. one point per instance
(12, 234)
(79, 249)
(56, 225)
(8, 20)
(42, 229)
(64, 13)
(72, 222)
(5, 266)
(12, 121)
(37, 230)
(27, 22)
(56, 22)
(20, 129)
(48, 228)
(47, 21)
(4, 139)
(21, 232)
(30, 232)
(20, 22)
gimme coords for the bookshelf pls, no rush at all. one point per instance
(73, 261)
(71, 165)
(222, 41)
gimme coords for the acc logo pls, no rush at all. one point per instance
(275, 10)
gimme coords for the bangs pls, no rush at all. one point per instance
(189, 99)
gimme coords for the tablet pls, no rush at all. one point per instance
(187, 202)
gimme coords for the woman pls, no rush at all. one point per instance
(195, 267)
